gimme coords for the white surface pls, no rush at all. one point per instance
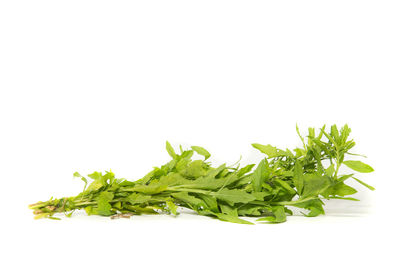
(96, 85)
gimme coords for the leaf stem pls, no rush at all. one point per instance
(294, 202)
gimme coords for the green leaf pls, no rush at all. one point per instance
(343, 178)
(364, 184)
(298, 179)
(314, 206)
(212, 173)
(138, 198)
(171, 179)
(330, 138)
(201, 151)
(210, 182)
(181, 165)
(147, 178)
(95, 175)
(151, 189)
(187, 154)
(249, 210)
(314, 184)
(126, 183)
(330, 170)
(194, 169)
(344, 133)
(108, 177)
(270, 150)
(88, 210)
(279, 215)
(259, 175)
(260, 195)
(345, 198)
(189, 199)
(233, 196)
(335, 133)
(94, 186)
(226, 209)
(298, 133)
(76, 174)
(232, 219)
(299, 152)
(285, 185)
(245, 170)
(139, 210)
(340, 189)
(210, 201)
(172, 207)
(117, 205)
(103, 205)
(358, 166)
(266, 149)
(170, 150)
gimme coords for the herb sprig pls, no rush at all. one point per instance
(303, 177)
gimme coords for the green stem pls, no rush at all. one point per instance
(337, 162)
(294, 202)
(180, 189)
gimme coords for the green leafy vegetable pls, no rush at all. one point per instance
(303, 177)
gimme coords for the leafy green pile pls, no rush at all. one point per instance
(302, 178)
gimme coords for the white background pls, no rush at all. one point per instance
(99, 85)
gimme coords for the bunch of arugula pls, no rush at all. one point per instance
(302, 178)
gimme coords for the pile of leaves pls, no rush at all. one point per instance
(303, 178)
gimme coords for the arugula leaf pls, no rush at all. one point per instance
(151, 189)
(233, 196)
(330, 170)
(245, 170)
(171, 179)
(298, 178)
(194, 169)
(278, 215)
(358, 166)
(314, 184)
(314, 206)
(96, 175)
(250, 210)
(285, 185)
(364, 184)
(230, 218)
(259, 175)
(189, 199)
(226, 209)
(210, 180)
(271, 151)
(138, 198)
(103, 205)
(210, 201)
(340, 189)
(201, 151)
(170, 150)
(94, 186)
